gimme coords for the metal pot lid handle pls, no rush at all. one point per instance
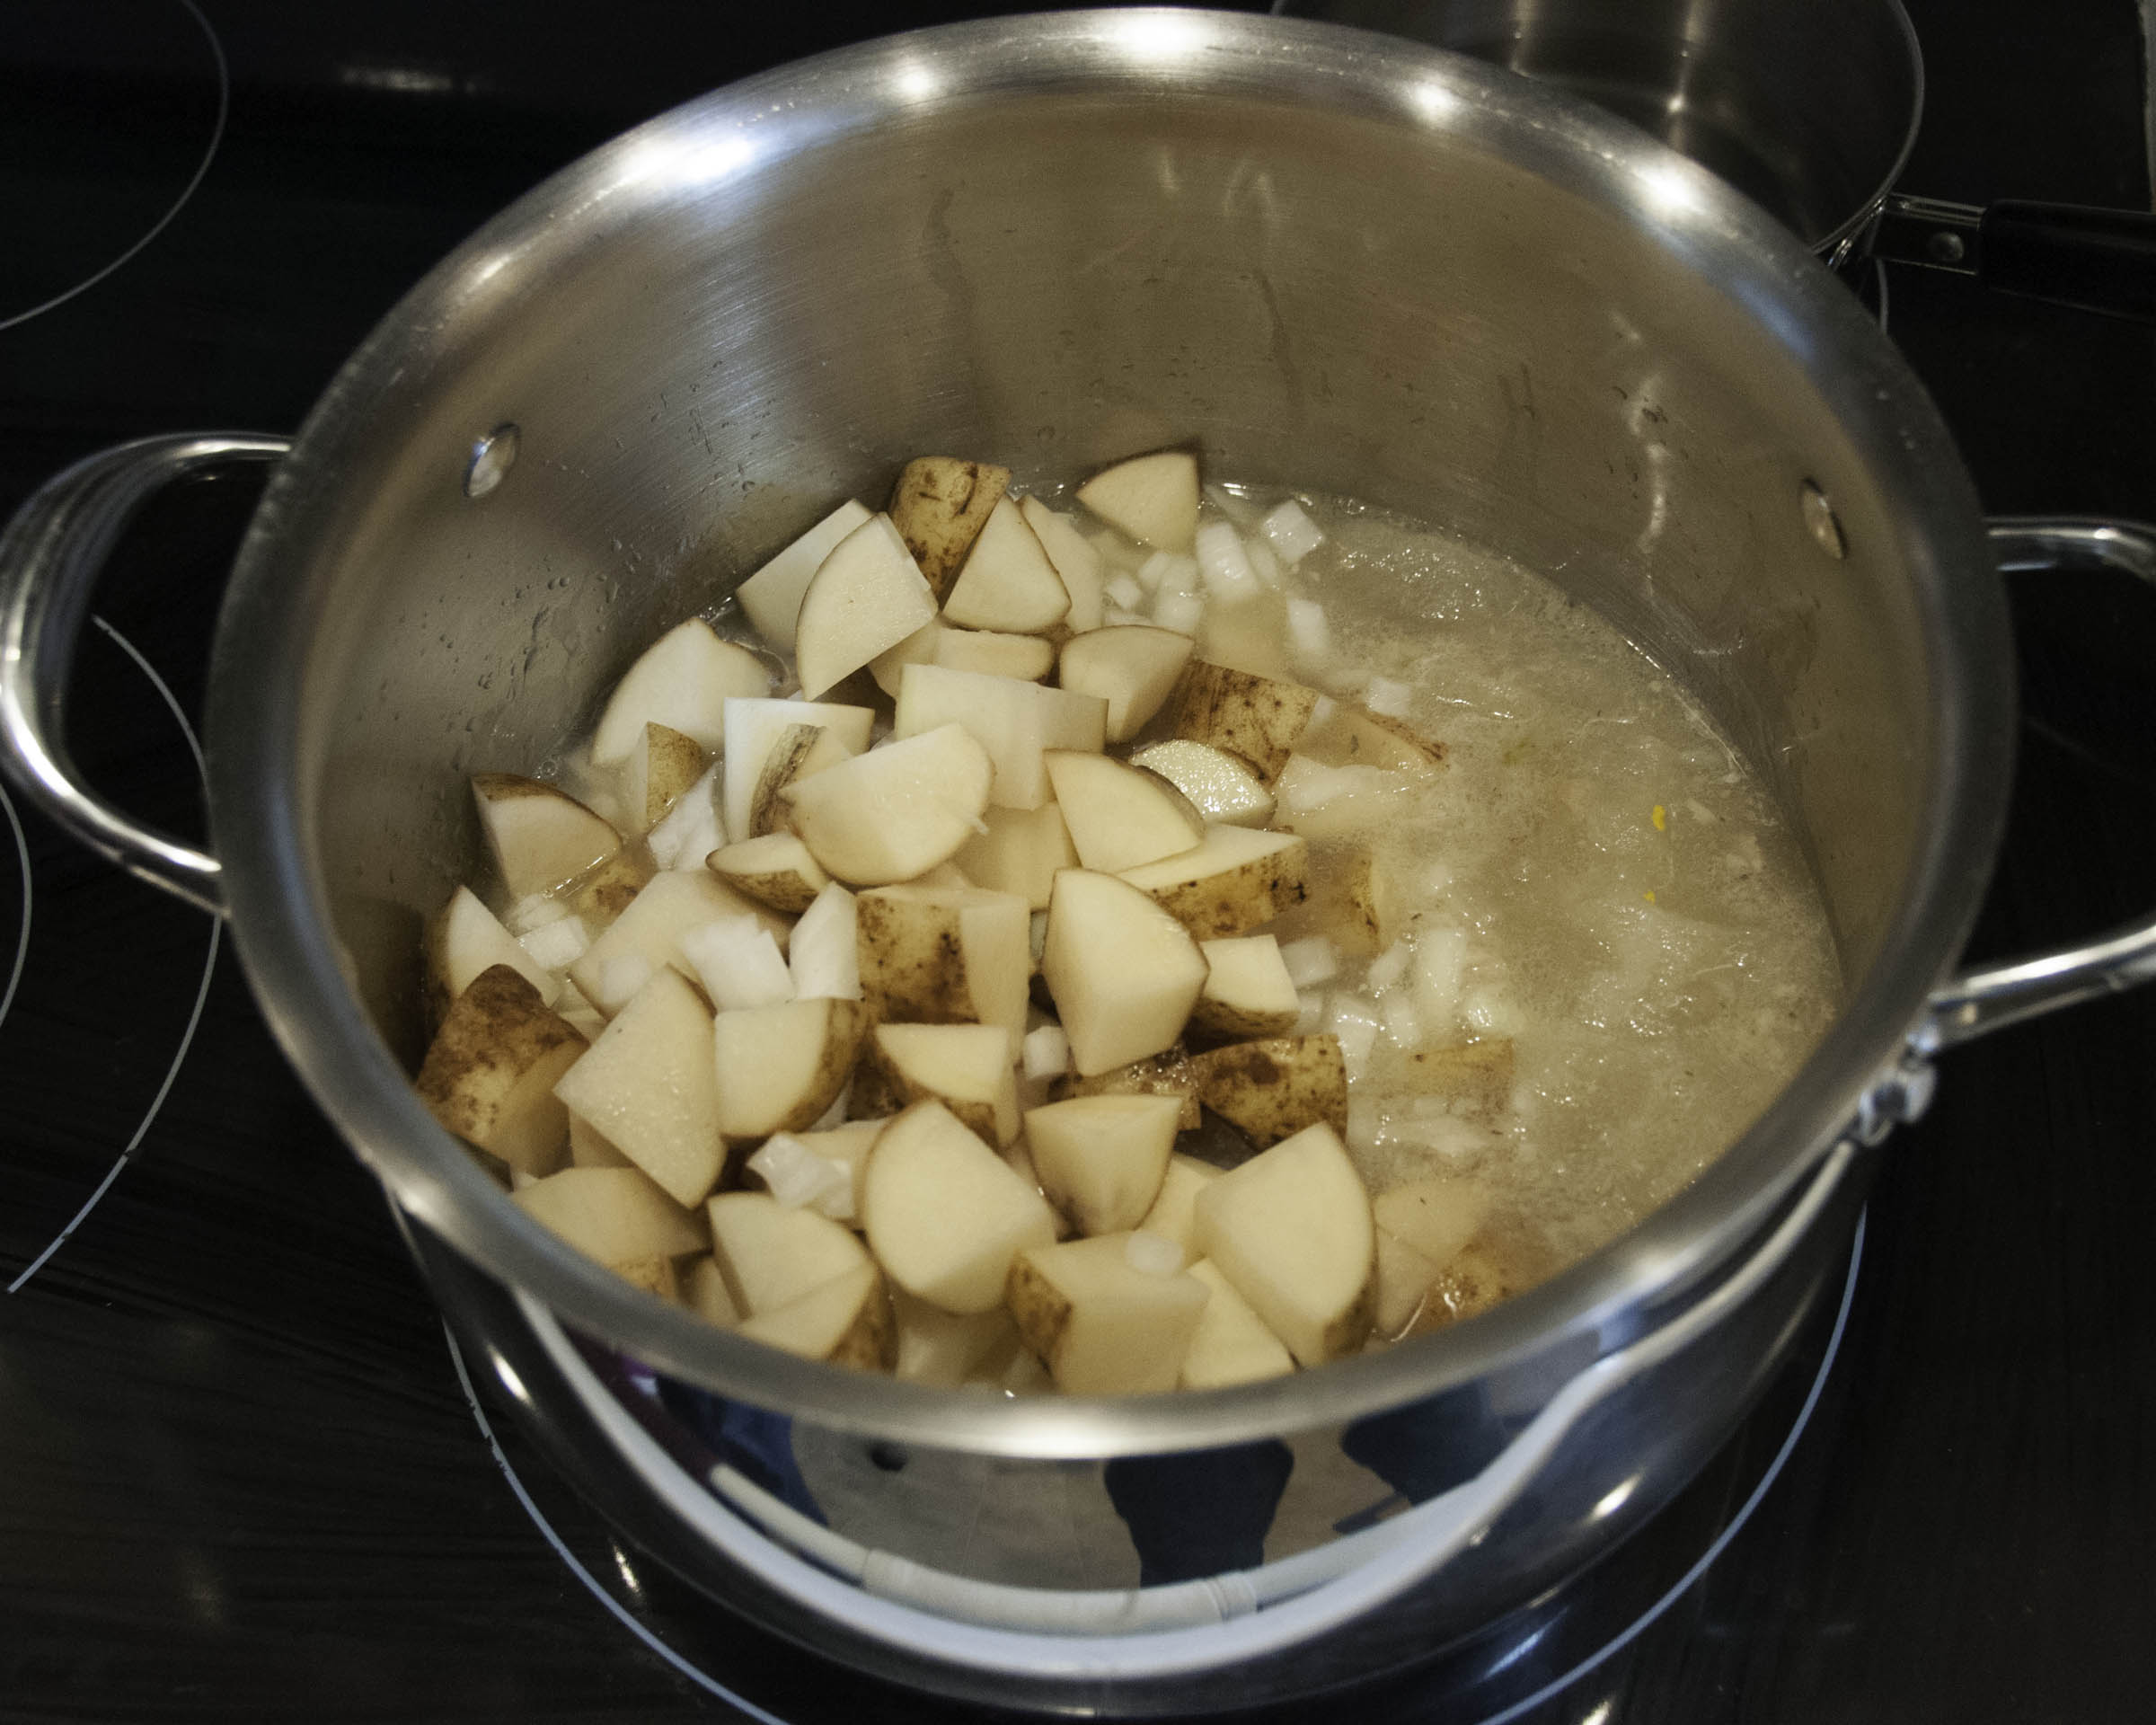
(1992, 996)
(51, 555)
(2094, 259)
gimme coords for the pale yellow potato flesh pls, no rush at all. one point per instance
(1124, 974)
(682, 681)
(649, 1085)
(489, 1072)
(1100, 1160)
(466, 938)
(1020, 853)
(1437, 1214)
(1248, 991)
(1077, 563)
(539, 838)
(1121, 816)
(772, 596)
(966, 1068)
(1007, 582)
(663, 765)
(613, 1216)
(944, 1213)
(846, 1321)
(1221, 786)
(1258, 717)
(867, 596)
(1235, 879)
(1101, 1326)
(1015, 721)
(939, 504)
(1230, 1344)
(1152, 498)
(781, 1067)
(1133, 666)
(769, 1254)
(1171, 1215)
(896, 811)
(777, 870)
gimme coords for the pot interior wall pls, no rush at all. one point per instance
(725, 330)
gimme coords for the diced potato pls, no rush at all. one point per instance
(781, 1067)
(1353, 736)
(1291, 1229)
(824, 956)
(1028, 658)
(1100, 1160)
(1133, 666)
(602, 896)
(1171, 1215)
(1405, 1276)
(1248, 991)
(846, 1321)
(1151, 498)
(539, 838)
(1230, 1344)
(769, 1254)
(772, 596)
(754, 729)
(1221, 786)
(1476, 1077)
(613, 1216)
(1077, 563)
(944, 1213)
(489, 1072)
(849, 1145)
(801, 752)
(650, 1085)
(667, 907)
(1165, 1074)
(1234, 880)
(1020, 853)
(945, 955)
(703, 1291)
(663, 764)
(898, 810)
(1476, 1280)
(940, 506)
(867, 596)
(1007, 582)
(1337, 801)
(1437, 1214)
(682, 681)
(467, 938)
(946, 1347)
(1101, 1326)
(966, 1067)
(1123, 973)
(1014, 722)
(588, 1148)
(1118, 816)
(1272, 1089)
(1258, 717)
(777, 870)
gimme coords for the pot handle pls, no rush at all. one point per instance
(51, 555)
(2093, 260)
(1994, 995)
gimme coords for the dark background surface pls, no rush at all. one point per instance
(239, 1478)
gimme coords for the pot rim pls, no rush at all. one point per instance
(261, 791)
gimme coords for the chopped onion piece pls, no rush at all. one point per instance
(1124, 591)
(1309, 635)
(1181, 612)
(1047, 1052)
(1295, 536)
(1322, 711)
(691, 829)
(557, 945)
(1355, 1023)
(739, 962)
(1440, 959)
(1310, 1015)
(1488, 1010)
(1224, 565)
(1403, 1025)
(1155, 1254)
(824, 956)
(1306, 787)
(800, 1178)
(1365, 1124)
(1387, 696)
(620, 977)
(1264, 563)
(1311, 960)
(1390, 966)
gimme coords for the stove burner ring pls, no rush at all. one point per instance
(194, 1016)
(1511, 1711)
(187, 192)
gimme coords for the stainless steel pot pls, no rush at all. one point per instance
(1810, 109)
(1330, 261)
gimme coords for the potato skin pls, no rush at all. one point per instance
(913, 962)
(939, 506)
(1476, 1075)
(1271, 1089)
(494, 1031)
(1167, 1074)
(1223, 906)
(1257, 718)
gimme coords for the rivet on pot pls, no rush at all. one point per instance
(1820, 517)
(493, 457)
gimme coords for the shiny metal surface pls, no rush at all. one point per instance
(50, 555)
(1810, 108)
(1326, 259)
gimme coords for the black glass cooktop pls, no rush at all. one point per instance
(241, 1475)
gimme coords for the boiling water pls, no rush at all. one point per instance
(1597, 874)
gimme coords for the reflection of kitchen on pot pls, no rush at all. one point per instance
(1133, 605)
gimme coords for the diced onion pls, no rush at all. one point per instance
(1224, 564)
(1124, 591)
(619, 979)
(824, 952)
(535, 910)
(739, 962)
(1311, 960)
(1403, 1025)
(1310, 1013)
(691, 830)
(1293, 535)
(557, 945)
(1309, 635)
(1263, 562)
(1387, 696)
(1440, 959)
(800, 1178)
(1390, 966)
(1181, 612)
(1355, 1021)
